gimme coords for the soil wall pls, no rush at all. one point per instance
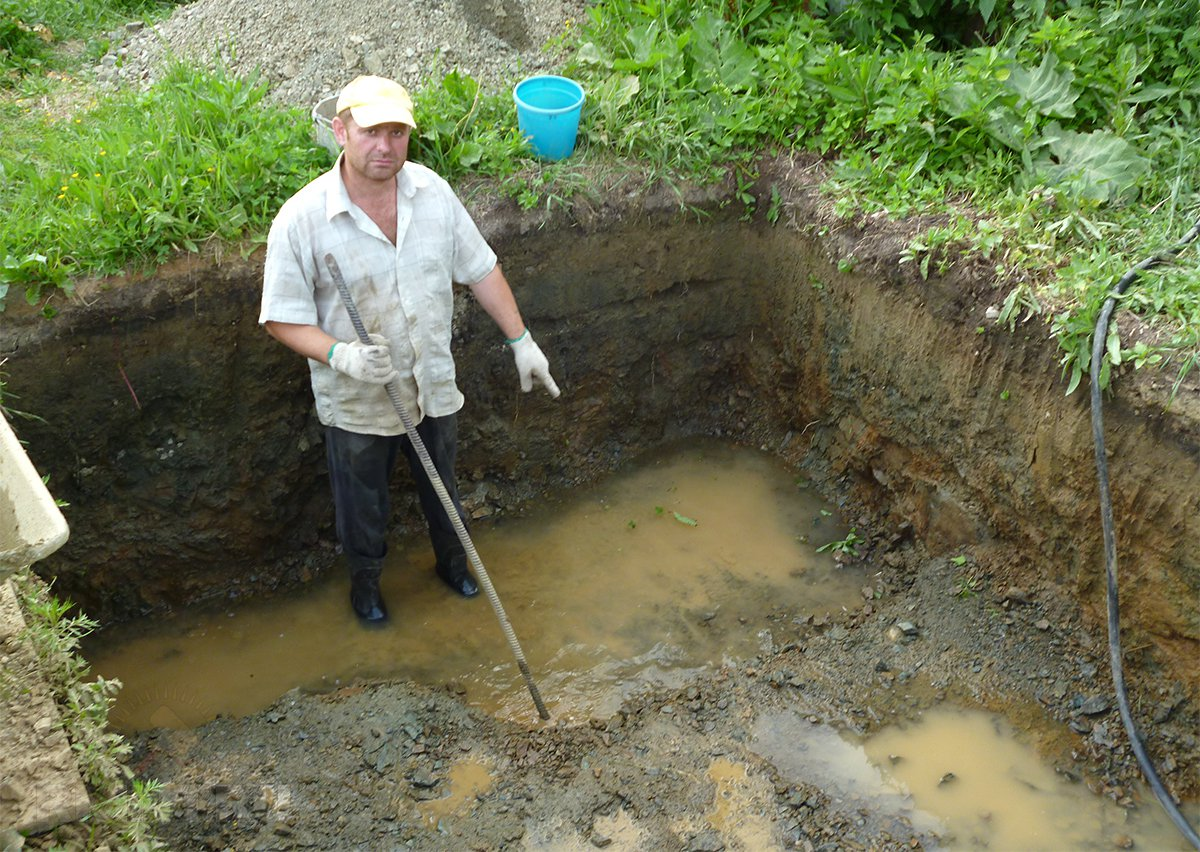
(184, 440)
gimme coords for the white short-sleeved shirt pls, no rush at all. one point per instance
(403, 291)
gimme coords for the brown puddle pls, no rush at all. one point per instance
(644, 578)
(733, 813)
(468, 779)
(964, 775)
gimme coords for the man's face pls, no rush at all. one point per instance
(375, 153)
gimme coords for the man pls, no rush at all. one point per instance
(400, 238)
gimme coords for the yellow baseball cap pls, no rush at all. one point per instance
(376, 100)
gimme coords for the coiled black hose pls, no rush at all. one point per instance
(1110, 546)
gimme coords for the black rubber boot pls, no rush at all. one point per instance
(365, 596)
(460, 579)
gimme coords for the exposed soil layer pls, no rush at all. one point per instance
(184, 441)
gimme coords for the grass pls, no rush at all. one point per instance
(138, 177)
(1057, 140)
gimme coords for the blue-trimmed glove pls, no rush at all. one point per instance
(532, 364)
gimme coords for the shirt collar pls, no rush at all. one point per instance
(337, 199)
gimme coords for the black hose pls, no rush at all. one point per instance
(1110, 546)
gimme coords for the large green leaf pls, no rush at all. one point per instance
(720, 54)
(1098, 166)
(1046, 87)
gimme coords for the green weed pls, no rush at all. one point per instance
(125, 811)
(966, 586)
(848, 545)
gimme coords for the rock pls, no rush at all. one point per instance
(1015, 595)
(902, 630)
(11, 791)
(707, 841)
(1080, 726)
(1164, 709)
(424, 779)
(1094, 706)
(1100, 735)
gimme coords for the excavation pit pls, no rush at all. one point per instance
(196, 482)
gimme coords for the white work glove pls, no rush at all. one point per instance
(531, 364)
(357, 360)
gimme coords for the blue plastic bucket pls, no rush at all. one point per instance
(548, 109)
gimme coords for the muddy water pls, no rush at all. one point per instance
(964, 775)
(467, 779)
(645, 578)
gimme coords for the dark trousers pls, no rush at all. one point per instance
(360, 470)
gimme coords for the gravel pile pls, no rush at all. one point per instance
(308, 49)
